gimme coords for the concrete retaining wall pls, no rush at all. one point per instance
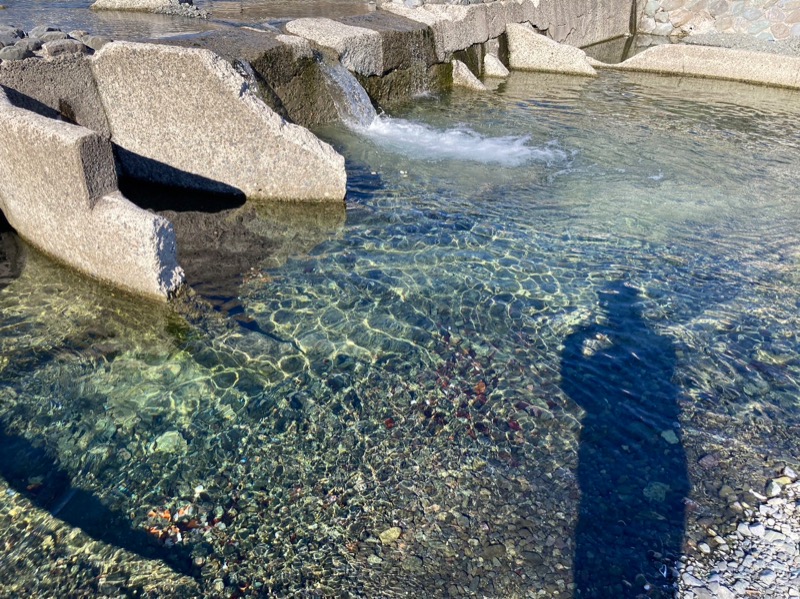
(58, 189)
(574, 22)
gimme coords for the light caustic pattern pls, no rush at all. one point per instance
(406, 373)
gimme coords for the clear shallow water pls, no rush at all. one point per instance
(488, 355)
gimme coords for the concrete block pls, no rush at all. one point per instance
(406, 43)
(58, 189)
(15, 53)
(717, 63)
(224, 139)
(459, 26)
(463, 77)
(531, 51)
(497, 16)
(515, 11)
(61, 87)
(580, 22)
(492, 67)
(454, 27)
(136, 5)
(286, 74)
(14, 32)
(359, 50)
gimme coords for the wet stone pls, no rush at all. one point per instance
(704, 593)
(496, 550)
(773, 488)
(170, 442)
(670, 437)
(691, 580)
(767, 576)
(390, 535)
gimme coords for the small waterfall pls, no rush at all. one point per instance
(419, 141)
(352, 102)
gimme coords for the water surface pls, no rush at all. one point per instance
(428, 366)
(69, 15)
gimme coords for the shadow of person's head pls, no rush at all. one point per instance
(621, 302)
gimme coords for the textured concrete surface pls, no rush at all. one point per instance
(717, 63)
(358, 49)
(575, 22)
(463, 77)
(137, 5)
(742, 41)
(454, 27)
(492, 67)
(287, 75)
(63, 88)
(58, 189)
(405, 43)
(224, 140)
(531, 51)
(583, 22)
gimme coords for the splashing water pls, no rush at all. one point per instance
(424, 142)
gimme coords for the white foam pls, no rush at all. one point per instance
(422, 142)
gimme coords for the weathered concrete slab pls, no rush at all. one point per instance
(455, 27)
(358, 49)
(531, 51)
(575, 22)
(406, 43)
(492, 67)
(584, 22)
(58, 189)
(463, 77)
(717, 63)
(136, 5)
(183, 8)
(288, 76)
(410, 62)
(63, 88)
(224, 139)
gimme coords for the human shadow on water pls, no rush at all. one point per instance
(32, 472)
(631, 464)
